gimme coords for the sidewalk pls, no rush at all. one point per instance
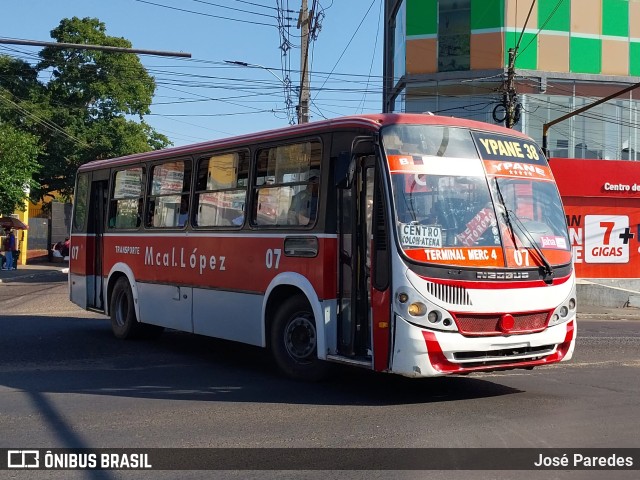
(590, 312)
(29, 271)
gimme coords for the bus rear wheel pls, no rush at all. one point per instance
(294, 341)
(124, 322)
(122, 309)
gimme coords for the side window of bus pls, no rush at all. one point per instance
(287, 185)
(81, 203)
(168, 200)
(125, 208)
(221, 190)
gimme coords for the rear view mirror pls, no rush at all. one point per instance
(344, 170)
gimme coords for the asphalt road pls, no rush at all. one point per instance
(66, 382)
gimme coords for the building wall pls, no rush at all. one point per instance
(573, 36)
(565, 52)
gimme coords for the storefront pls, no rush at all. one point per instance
(602, 202)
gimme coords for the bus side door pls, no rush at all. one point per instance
(98, 199)
(364, 298)
(355, 261)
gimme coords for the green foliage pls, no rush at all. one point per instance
(18, 153)
(85, 110)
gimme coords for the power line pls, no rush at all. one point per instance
(555, 9)
(262, 6)
(205, 14)
(373, 55)
(45, 123)
(346, 47)
(234, 9)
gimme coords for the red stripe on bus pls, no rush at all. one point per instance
(227, 262)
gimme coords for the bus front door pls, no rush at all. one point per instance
(355, 226)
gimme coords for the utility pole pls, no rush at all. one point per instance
(303, 99)
(512, 108)
(510, 98)
(508, 111)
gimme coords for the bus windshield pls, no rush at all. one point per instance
(453, 209)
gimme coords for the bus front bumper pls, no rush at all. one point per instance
(421, 352)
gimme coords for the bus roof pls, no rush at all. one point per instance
(373, 122)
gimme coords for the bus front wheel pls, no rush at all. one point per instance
(294, 341)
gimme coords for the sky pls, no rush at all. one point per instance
(204, 98)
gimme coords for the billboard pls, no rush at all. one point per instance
(602, 203)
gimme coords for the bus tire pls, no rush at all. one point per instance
(124, 322)
(294, 341)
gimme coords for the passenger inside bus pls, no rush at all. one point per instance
(183, 215)
(304, 204)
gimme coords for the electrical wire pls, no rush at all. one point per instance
(346, 47)
(555, 9)
(373, 55)
(205, 14)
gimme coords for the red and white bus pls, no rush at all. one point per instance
(412, 244)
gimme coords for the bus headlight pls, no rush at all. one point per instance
(564, 311)
(417, 309)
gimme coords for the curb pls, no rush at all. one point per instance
(618, 316)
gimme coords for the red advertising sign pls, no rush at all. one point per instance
(602, 203)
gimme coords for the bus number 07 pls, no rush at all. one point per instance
(521, 256)
(272, 259)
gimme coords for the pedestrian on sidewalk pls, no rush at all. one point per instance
(9, 247)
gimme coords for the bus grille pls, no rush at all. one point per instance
(522, 353)
(478, 324)
(449, 294)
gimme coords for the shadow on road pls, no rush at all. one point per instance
(75, 355)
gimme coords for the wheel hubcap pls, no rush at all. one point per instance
(300, 337)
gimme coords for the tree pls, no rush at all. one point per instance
(18, 153)
(84, 111)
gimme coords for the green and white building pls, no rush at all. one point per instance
(451, 57)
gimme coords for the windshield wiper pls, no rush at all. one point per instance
(548, 269)
(508, 216)
(505, 213)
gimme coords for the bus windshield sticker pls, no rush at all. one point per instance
(553, 242)
(512, 157)
(477, 228)
(420, 236)
(514, 149)
(399, 163)
(463, 256)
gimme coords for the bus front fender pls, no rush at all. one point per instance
(292, 279)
